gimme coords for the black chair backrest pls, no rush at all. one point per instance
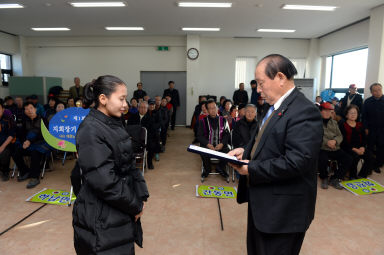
(137, 134)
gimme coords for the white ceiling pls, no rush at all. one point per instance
(163, 17)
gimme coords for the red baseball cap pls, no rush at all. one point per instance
(327, 106)
(352, 86)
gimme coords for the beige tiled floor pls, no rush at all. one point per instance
(176, 222)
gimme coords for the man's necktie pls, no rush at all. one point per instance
(270, 111)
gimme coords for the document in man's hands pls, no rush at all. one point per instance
(215, 154)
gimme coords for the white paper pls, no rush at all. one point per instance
(212, 152)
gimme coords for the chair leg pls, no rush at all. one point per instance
(43, 171)
(51, 159)
(13, 171)
(202, 172)
(65, 156)
(233, 174)
(227, 170)
(70, 196)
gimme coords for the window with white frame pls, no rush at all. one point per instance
(245, 70)
(6, 68)
(300, 64)
(345, 69)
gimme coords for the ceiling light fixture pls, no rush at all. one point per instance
(308, 7)
(50, 29)
(201, 29)
(124, 28)
(276, 30)
(10, 6)
(98, 4)
(197, 4)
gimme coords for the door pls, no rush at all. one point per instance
(154, 83)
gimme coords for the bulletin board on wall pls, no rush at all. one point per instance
(26, 86)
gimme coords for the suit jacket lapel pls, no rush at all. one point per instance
(275, 118)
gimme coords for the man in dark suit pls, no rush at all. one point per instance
(281, 180)
(373, 120)
(175, 101)
(139, 93)
(351, 97)
(240, 96)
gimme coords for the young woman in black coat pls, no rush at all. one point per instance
(107, 211)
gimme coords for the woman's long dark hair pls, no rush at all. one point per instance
(105, 84)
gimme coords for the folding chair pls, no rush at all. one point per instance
(47, 156)
(139, 137)
(231, 147)
(213, 161)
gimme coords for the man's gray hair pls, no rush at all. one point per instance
(143, 102)
(251, 106)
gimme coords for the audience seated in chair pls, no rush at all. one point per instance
(152, 124)
(233, 117)
(227, 108)
(32, 144)
(7, 138)
(330, 149)
(213, 134)
(262, 108)
(354, 143)
(242, 131)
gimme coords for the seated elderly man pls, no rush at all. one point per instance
(330, 149)
(148, 119)
(244, 127)
(30, 143)
(213, 133)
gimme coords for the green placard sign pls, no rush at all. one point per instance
(51, 196)
(215, 191)
(363, 186)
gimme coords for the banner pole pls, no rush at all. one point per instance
(23, 219)
(70, 194)
(221, 218)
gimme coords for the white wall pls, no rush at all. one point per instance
(89, 58)
(125, 57)
(353, 37)
(218, 58)
(9, 44)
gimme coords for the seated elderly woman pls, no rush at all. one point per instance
(233, 117)
(354, 143)
(244, 127)
(227, 108)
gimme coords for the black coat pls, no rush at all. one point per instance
(282, 173)
(174, 94)
(165, 116)
(242, 132)
(357, 100)
(113, 190)
(139, 94)
(373, 120)
(152, 123)
(240, 97)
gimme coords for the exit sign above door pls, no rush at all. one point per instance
(163, 48)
